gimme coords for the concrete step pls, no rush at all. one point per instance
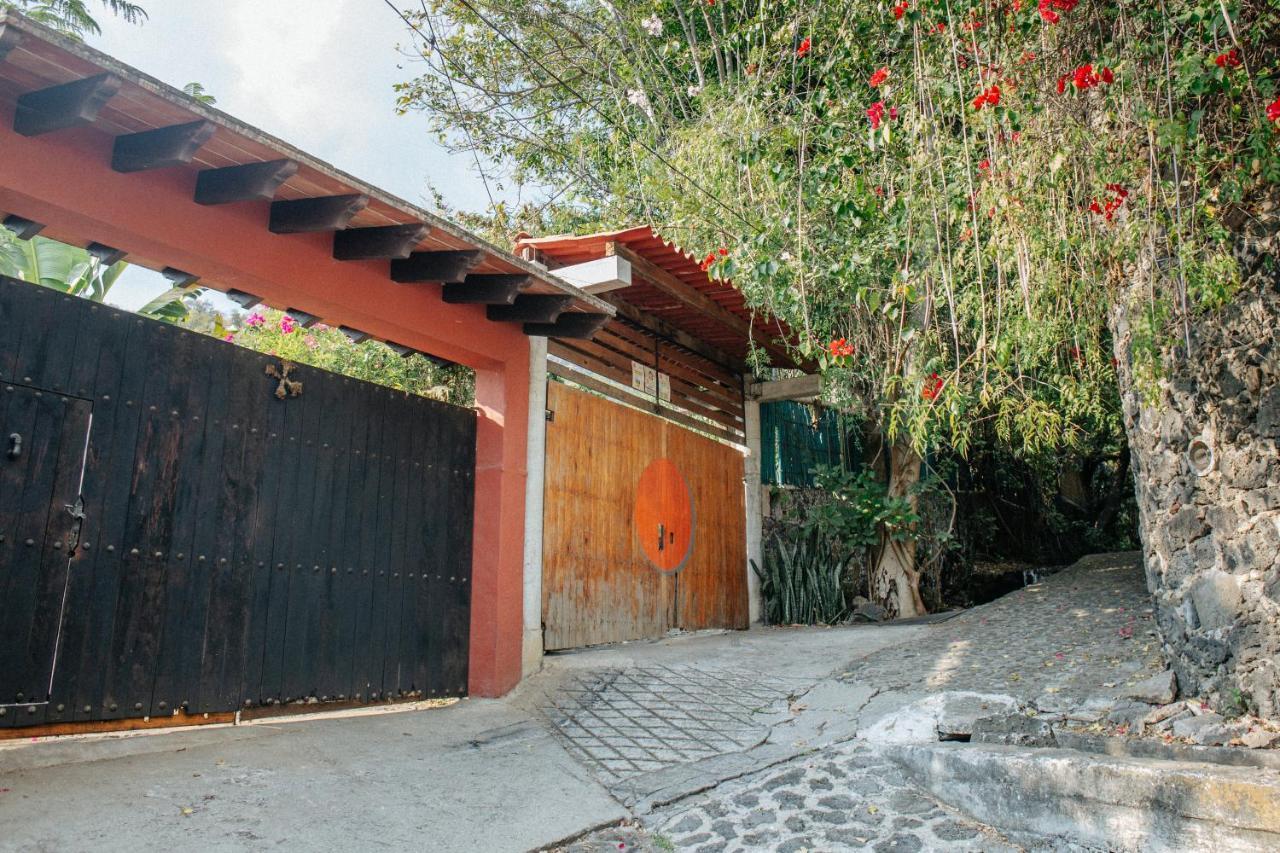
(1101, 801)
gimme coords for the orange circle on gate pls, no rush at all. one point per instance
(664, 516)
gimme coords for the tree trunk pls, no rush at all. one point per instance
(895, 582)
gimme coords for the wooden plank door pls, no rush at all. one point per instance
(643, 529)
(41, 463)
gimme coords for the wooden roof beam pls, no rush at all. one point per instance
(498, 289)
(66, 105)
(165, 146)
(380, 243)
(580, 326)
(309, 215)
(680, 337)
(531, 308)
(249, 182)
(435, 266)
(9, 39)
(697, 301)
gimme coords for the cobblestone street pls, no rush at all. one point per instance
(1075, 640)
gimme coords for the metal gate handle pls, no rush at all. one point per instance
(15, 445)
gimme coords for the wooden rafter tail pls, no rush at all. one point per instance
(244, 300)
(309, 215)
(381, 243)
(25, 229)
(500, 289)
(180, 278)
(165, 146)
(302, 318)
(580, 326)
(106, 255)
(248, 182)
(445, 266)
(354, 335)
(65, 105)
(530, 308)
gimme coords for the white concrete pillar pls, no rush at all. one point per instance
(755, 518)
(531, 645)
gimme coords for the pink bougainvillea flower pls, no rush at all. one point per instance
(803, 48)
(255, 320)
(229, 337)
(288, 324)
(878, 77)
(311, 341)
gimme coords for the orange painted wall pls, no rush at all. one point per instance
(64, 180)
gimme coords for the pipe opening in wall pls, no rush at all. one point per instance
(1200, 455)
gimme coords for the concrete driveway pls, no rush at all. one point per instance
(479, 775)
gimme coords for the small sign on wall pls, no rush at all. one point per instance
(664, 387)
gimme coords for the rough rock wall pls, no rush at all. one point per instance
(1208, 489)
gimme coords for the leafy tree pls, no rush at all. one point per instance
(73, 17)
(944, 197)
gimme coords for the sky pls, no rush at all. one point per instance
(315, 73)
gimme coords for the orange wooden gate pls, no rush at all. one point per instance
(644, 526)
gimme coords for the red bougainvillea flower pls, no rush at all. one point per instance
(878, 77)
(893, 113)
(940, 27)
(1230, 59)
(984, 164)
(840, 348)
(1049, 9)
(708, 261)
(990, 96)
(1086, 77)
(803, 48)
(970, 26)
(932, 386)
(724, 253)
(1273, 110)
(1107, 210)
(875, 113)
(900, 10)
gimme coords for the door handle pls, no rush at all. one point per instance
(662, 537)
(15, 445)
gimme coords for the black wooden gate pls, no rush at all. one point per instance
(174, 537)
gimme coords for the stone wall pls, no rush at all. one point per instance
(1208, 489)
